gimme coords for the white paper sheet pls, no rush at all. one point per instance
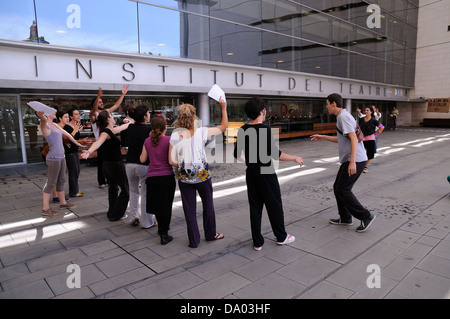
(216, 92)
(40, 107)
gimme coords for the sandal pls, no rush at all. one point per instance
(219, 236)
(135, 222)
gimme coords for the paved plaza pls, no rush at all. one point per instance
(404, 254)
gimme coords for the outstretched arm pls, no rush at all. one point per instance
(69, 136)
(291, 158)
(102, 138)
(328, 138)
(119, 101)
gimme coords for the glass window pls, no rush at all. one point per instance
(10, 137)
(400, 9)
(315, 27)
(100, 24)
(159, 30)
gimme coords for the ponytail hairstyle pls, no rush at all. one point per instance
(158, 125)
(138, 113)
(102, 120)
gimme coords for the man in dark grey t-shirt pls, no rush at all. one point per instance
(353, 158)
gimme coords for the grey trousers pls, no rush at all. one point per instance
(56, 176)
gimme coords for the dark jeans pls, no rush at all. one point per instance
(73, 167)
(348, 204)
(160, 194)
(264, 189)
(117, 178)
(189, 199)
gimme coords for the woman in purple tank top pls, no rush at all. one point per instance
(160, 177)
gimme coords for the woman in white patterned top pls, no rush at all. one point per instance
(187, 154)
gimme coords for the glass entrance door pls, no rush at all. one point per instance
(11, 139)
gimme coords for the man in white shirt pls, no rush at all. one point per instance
(97, 107)
(353, 158)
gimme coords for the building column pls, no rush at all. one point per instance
(348, 105)
(204, 111)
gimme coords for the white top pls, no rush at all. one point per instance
(193, 167)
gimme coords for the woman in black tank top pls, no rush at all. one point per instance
(113, 167)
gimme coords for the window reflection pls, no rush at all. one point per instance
(303, 35)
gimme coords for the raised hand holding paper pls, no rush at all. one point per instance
(40, 107)
(216, 92)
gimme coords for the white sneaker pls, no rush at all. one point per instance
(257, 248)
(289, 240)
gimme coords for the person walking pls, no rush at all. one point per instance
(160, 180)
(56, 163)
(113, 166)
(74, 127)
(187, 154)
(138, 131)
(255, 145)
(369, 126)
(353, 158)
(377, 115)
(96, 107)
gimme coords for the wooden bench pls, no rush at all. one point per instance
(318, 128)
(436, 122)
(230, 134)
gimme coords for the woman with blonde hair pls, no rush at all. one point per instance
(187, 154)
(160, 178)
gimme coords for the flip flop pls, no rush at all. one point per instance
(219, 236)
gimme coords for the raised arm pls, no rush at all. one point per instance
(92, 113)
(213, 131)
(119, 101)
(45, 129)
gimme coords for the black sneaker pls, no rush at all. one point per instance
(338, 221)
(365, 223)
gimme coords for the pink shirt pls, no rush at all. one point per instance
(159, 157)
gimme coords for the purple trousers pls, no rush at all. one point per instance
(189, 200)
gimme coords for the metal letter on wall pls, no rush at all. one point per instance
(89, 74)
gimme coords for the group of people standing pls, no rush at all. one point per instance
(148, 172)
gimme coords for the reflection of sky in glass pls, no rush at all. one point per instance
(104, 24)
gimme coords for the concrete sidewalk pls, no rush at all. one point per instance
(409, 242)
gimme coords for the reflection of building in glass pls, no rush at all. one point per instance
(34, 37)
(319, 37)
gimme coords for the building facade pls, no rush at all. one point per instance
(291, 53)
